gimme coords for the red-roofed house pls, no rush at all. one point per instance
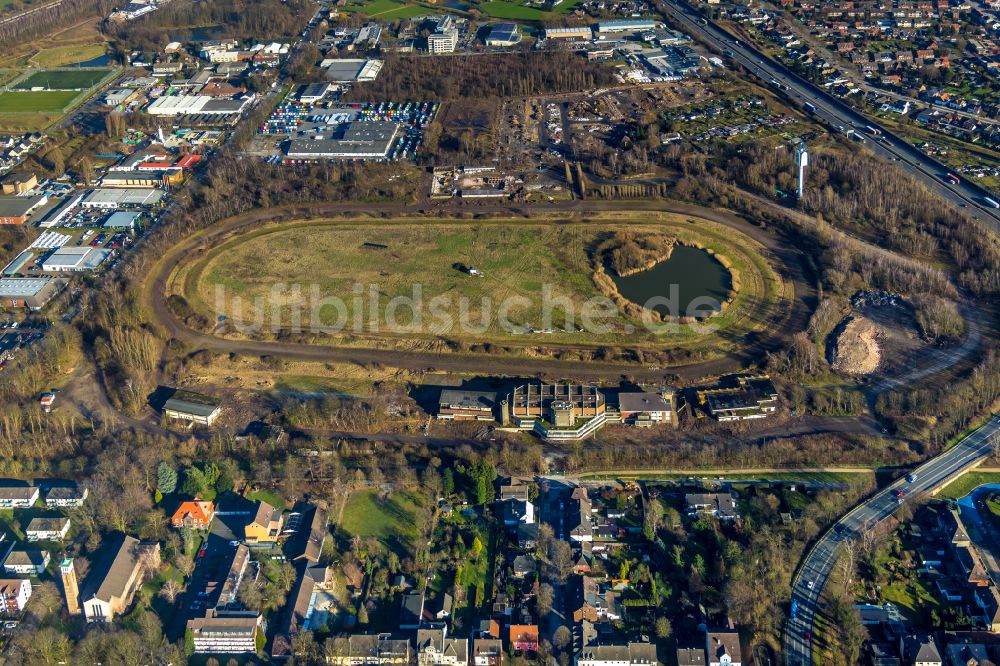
(195, 515)
(524, 637)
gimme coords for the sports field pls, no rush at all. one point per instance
(513, 10)
(57, 79)
(36, 101)
(410, 281)
(388, 9)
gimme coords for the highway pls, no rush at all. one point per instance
(816, 568)
(835, 113)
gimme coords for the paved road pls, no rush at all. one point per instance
(815, 570)
(834, 112)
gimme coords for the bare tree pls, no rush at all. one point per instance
(171, 588)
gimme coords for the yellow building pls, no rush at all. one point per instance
(19, 182)
(265, 526)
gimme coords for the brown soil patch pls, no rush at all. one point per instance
(857, 349)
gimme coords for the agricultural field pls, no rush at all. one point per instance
(389, 520)
(529, 278)
(60, 79)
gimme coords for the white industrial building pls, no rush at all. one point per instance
(186, 105)
(343, 70)
(75, 259)
(126, 197)
(357, 141)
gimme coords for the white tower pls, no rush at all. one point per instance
(70, 587)
(802, 159)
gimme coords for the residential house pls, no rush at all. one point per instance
(516, 511)
(14, 594)
(955, 528)
(265, 528)
(579, 510)
(368, 650)
(920, 651)
(234, 577)
(966, 654)
(723, 648)
(113, 582)
(988, 600)
(589, 603)
(434, 648)
(226, 632)
(309, 543)
(26, 562)
(443, 606)
(527, 536)
(195, 515)
(522, 566)
(523, 637)
(972, 566)
(515, 490)
(47, 529)
(690, 656)
(66, 497)
(411, 611)
(487, 652)
(638, 653)
(720, 505)
(18, 497)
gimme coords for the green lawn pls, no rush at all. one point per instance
(965, 484)
(511, 10)
(43, 101)
(389, 520)
(76, 79)
(60, 56)
(388, 9)
(909, 597)
(271, 498)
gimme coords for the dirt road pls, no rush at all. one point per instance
(790, 263)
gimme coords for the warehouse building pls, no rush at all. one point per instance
(31, 293)
(19, 182)
(351, 69)
(122, 220)
(15, 210)
(18, 263)
(75, 259)
(460, 405)
(625, 25)
(131, 197)
(580, 32)
(355, 141)
(147, 178)
(504, 34)
(194, 407)
(313, 92)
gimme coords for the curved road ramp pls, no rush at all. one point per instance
(819, 562)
